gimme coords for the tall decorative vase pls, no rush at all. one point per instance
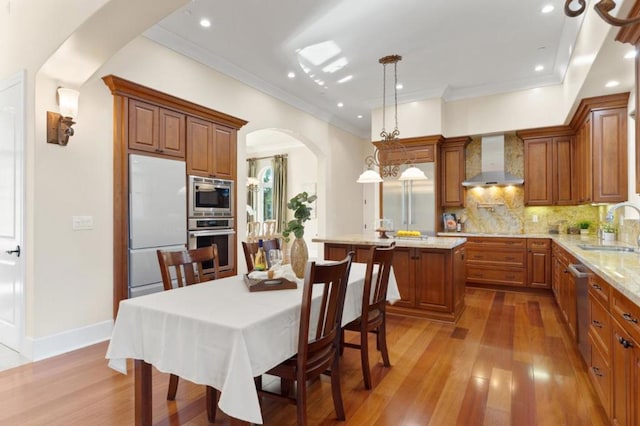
(299, 256)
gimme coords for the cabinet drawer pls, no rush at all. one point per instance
(627, 313)
(500, 258)
(600, 373)
(599, 289)
(489, 275)
(600, 325)
(493, 243)
(538, 243)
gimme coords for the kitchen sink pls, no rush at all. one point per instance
(598, 247)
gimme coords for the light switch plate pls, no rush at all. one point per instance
(534, 218)
(82, 223)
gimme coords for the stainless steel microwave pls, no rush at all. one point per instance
(210, 197)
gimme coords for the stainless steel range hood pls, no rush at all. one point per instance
(493, 171)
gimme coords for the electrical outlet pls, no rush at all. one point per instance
(534, 218)
(82, 223)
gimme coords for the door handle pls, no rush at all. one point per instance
(16, 251)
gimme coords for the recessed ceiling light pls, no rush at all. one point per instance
(291, 74)
(612, 83)
(539, 67)
(345, 79)
(359, 115)
(548, 8)
(631, 54)
(340, 104)
(205, 23)
(399, 86)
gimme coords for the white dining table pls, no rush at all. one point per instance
(217, 333)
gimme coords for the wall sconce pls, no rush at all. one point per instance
(59, 124)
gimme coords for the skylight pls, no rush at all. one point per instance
(320, 53)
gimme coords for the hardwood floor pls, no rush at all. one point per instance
(508, 361)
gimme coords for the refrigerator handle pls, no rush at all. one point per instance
(403, 203)
(410, 208)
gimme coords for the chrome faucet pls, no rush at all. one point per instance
(609, 217)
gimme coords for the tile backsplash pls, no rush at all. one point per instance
(502, 209)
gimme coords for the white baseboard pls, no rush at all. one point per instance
(67, 341)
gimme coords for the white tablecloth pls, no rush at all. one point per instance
(220, 334)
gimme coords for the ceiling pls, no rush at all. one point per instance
(450, 49)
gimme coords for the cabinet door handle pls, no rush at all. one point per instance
(596, 287)
(597, 371)
(596, 323)
(629, 318)
(625, 343)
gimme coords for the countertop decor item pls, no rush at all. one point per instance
(584, 226)
(608, 232)
(300, 205)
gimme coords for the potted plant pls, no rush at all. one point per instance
(301, 207)
(584, 226)
(608, 231)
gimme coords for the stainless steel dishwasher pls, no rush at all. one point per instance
(580, 276)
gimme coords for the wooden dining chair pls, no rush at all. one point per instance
(251, 247)
(186, 267)
(374, 301)
(317, 352)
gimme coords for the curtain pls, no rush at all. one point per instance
(279, 165)
(252, 199)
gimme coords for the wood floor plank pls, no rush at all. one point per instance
(441, 374)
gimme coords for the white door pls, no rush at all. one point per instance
(11, 201)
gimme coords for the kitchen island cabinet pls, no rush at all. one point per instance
(496, 261)
(430, 273)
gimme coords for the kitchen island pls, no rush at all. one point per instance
(430, 271)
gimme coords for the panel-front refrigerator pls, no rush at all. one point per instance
(411, 204)
(157, 217)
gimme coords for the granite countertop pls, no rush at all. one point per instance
(620, 269)
(444, 243)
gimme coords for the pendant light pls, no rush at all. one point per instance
(389, 139)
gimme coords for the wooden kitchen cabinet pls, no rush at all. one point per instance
(609, 154)
(211, 149)
(496, 261)
(156, 129)
(452, 171)
(626, 377)
(431, 281)
(146, 120)
(601, 149)
(539, 262)
(548, 170)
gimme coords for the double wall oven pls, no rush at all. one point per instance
(211, 219)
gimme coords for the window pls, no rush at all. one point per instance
(265, 195)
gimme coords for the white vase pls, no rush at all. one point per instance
(608, 236)
(584, 231)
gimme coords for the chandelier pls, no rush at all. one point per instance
(603, 8)
(389, 140)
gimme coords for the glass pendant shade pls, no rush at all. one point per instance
(370, 176)
(413, 173)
